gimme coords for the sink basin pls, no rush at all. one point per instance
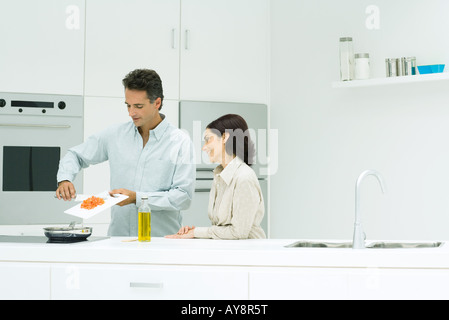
(312, 244)
(404, 245)
(374, 245)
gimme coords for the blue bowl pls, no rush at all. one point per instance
(435, 68)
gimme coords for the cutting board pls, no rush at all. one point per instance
(109, 202)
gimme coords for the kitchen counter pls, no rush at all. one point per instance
(251, 253)
(115, 268)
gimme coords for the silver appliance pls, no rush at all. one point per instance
(36, 130)
(194, 116)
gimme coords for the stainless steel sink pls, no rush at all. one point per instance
(404, 245)
(313, 244)
(374, 245)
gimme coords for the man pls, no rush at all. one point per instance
(147, 156)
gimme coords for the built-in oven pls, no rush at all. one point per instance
(35, 131)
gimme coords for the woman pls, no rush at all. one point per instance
(236, 205)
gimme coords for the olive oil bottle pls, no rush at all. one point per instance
(144, 233)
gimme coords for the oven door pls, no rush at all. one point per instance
(30, 149)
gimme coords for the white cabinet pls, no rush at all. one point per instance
(347, 283)
(225, 50)
(215, 50)
(147, 282)
(123, 35)
(42, 46)
(20, 281)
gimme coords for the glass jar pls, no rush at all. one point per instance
(408, 66)
(362, 66)
(392, 67)
(346, 59)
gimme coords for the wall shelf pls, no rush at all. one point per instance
(390, 81)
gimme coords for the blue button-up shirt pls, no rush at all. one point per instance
(163, 170)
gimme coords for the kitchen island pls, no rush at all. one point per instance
(211, 269)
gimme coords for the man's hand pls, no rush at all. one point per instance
(66, 190)
(131, 196)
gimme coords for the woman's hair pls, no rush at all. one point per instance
(145, 80)
(239, 142)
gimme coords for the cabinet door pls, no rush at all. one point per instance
(20, 281)
(146, 282)
(123, 35)
(42, 46)
(360, 283)
(224, 50)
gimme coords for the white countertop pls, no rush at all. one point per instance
(257, 253)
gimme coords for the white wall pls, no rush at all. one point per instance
(327, 137)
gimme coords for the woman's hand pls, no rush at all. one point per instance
(185, 229)
(185, 232)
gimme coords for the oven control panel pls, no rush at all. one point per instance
(41, 104)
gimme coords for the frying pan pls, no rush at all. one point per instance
(69, 234)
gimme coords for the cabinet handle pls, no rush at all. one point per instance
(202, 190)
(51, 126)
(204, 169)
(187, 39)
(146, 285)
(173, 42)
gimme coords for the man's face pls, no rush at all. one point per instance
(140, 109)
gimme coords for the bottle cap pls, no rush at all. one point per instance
(361, 55)
(144, 198)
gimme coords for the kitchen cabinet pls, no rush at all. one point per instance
(224, 50)
(219, 269)
(42, 46)
(24, 281)
(214, 50)
(125, 35)
(147, 282)
(349, 283)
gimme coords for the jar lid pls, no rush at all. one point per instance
(361, 55)
(345, 39)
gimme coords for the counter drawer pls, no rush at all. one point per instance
(70, 281)
(349, 283)
(20, 281)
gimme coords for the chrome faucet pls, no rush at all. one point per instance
(359, 235)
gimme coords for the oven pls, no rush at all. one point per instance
(35, 131)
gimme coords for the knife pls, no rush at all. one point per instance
(82, 197)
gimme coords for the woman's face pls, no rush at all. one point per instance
(213, 146)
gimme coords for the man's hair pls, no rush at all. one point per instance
(145, 80)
